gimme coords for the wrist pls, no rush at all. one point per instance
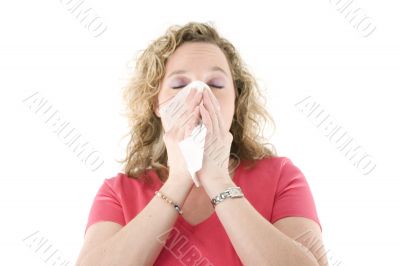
(180, 177)
(176, 189)
(216, 186)
(182, 181)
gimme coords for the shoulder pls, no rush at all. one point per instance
(272, 172)
(122, 182)
(269, 165)
(283, 169)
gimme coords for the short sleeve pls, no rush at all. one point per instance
(293, 195)
(106, 206)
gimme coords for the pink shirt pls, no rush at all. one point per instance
(275, 187)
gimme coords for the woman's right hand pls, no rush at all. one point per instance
(183, 124)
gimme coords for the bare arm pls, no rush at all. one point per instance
(138, 243)
(141, 240)
(257, 241)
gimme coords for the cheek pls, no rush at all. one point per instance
(227, 108)
(227, 101)
(165, 96)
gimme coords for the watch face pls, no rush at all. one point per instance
(235, 193)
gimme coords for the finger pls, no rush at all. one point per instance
(211, 111)
(221, 120)
(192, 100)
(188, 119)
(180, 133)
(214, 100)
(217, 108)
(205, 116)
(186, 108)
(174, 106)
(176, 132)
(194, 120)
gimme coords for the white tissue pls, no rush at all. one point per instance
(191, 147)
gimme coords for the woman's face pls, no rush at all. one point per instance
(200, 61)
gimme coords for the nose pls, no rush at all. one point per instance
(199, 85)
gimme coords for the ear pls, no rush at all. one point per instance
(156, 108)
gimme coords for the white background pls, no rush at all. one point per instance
(294, 48)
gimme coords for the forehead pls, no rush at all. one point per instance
(203, 54)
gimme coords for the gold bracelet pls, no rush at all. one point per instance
(176, 206)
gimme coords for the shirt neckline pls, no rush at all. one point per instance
(213, 215)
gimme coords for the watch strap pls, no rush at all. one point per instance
(232, 192)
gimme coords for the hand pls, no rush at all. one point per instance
(217, 143)
(182, 126)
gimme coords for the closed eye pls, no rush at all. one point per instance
(215, 86)
(178, 87)
(211, 86)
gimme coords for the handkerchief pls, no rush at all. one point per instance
(191, 147)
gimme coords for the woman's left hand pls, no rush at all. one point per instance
(217, 143)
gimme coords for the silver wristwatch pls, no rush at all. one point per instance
(232, 192)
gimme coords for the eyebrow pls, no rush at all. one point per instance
(214, 68)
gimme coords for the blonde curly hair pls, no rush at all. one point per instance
(146, 148)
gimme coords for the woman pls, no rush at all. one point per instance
(153, 215)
